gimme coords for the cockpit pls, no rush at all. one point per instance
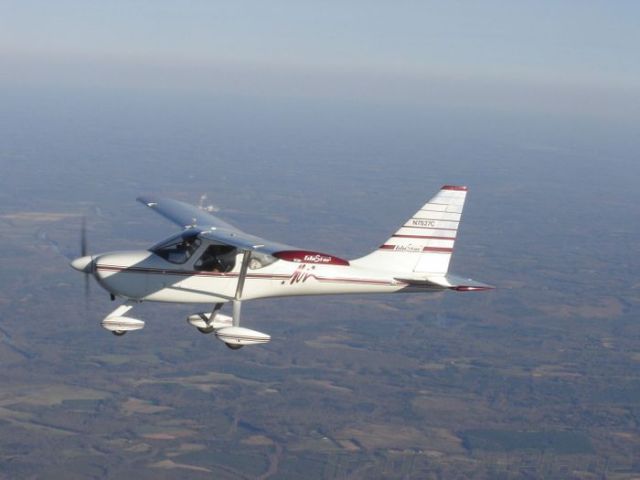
(217, 258)
(222, 258)
(214, 257)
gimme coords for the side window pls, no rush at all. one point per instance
(217, 258)
(260, 260)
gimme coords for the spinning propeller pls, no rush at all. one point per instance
(84, 263)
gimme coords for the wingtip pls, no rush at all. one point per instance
(147, 200)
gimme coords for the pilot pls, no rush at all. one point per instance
(207, 262)
(191, 245)
(217, 258)
(183, 251)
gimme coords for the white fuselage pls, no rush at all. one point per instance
(212, 262)
(143, 275)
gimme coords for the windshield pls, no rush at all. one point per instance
(179, 248)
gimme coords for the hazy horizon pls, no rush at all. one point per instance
(542, 56)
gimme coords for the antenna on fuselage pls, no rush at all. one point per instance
(207, 208)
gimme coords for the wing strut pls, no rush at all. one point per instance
(236, 337)
(237, 301)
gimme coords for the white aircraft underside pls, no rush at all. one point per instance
(213, 262)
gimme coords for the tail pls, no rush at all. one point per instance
(424, 244)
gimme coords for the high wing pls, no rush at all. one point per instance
(183, 214)
(210, 226)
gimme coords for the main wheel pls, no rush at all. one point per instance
(119, 333)
(234, 346)
(205, 330)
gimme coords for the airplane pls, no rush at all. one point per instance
(212, 262)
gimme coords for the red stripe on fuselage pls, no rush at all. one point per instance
(157, 271)
(188, 273)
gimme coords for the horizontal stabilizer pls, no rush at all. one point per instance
(452, 282)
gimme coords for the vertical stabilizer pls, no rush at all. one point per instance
(424, 244)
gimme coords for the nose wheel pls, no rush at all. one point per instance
(118, 324)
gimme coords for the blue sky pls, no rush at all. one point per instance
(368, 48)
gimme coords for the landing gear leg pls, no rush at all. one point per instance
(209, 327)
(237, 300)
